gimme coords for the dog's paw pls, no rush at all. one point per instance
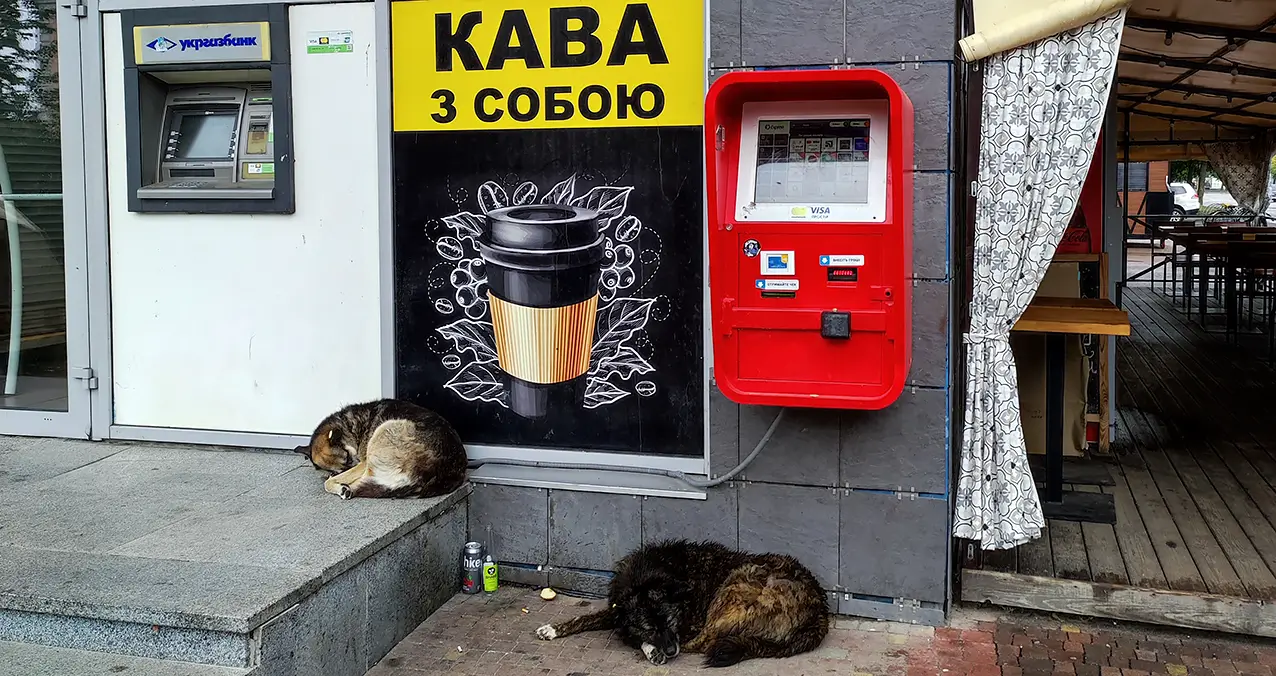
(345, 492)
(547, 633)
(654, 655)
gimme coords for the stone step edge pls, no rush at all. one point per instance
(33, 658)
(219, 623)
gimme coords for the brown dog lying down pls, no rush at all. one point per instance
(701, 597)
(387, 449)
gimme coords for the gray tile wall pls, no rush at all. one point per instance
(862, 497)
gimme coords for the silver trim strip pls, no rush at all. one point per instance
(590, 481)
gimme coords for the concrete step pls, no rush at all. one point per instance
(25, 659)
(227, 558)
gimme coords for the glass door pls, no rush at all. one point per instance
(44, 369)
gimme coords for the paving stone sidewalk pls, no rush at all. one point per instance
(493, 636)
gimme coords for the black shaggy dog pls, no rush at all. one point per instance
(702, 597)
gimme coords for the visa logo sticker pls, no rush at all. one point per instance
(827, 260)
(813, 211)
(777, 261)
(776, 284)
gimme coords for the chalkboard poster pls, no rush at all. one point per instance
(548, 182)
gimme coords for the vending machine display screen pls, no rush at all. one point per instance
(807, 160)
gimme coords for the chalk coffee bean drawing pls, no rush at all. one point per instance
(449, 248)
(620, 320)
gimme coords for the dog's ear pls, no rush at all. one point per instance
(302, 450)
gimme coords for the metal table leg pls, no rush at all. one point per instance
(1204, 278)
(1231, 306)
(1058, 503)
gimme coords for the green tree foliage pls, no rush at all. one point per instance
(1189, 171)
(28, 61)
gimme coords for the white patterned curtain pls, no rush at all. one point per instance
(1245, 168)
(1043, 105)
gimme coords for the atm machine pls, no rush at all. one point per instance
(215, 142)
(209, 128)
(810, 177)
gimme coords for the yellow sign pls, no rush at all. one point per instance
(547, 64)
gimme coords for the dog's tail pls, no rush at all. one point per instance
(733, 649)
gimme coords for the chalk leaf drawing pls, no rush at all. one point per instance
(480, 381)
(466, 224)
(608, 201)
(617, 323)
(626, 363)
(561, 193)
(620, 321)
(600, 393)
(471, 336)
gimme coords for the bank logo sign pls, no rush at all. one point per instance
(227, 40)
(546, 64)
(202, 43)
(161, 44)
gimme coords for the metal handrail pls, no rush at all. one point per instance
(31, 197)
(1153, 228)
(15, 279)
(16, 290)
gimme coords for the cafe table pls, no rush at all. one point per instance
(1059, 318)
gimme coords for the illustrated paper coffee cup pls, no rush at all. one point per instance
(543, 263)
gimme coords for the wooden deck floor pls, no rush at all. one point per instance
(1195, 489)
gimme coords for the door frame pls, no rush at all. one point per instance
(76, 421)
(97, 224)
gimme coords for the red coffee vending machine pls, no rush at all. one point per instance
(810, 195)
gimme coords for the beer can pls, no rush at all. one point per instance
(489, 575)
(471, 568)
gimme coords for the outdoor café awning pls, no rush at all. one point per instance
(1190, 71)
(1193, 71)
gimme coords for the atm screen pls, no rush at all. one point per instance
(206, 136)
(823, 161)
